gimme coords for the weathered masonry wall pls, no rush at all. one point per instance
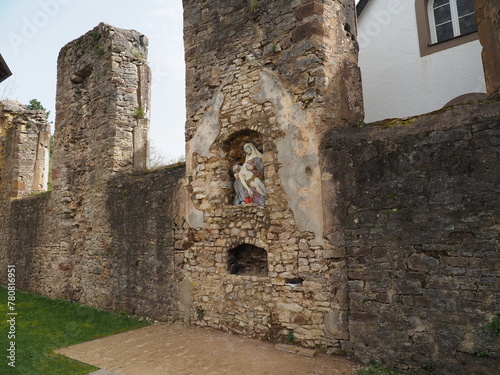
(287, 68)
(144, 217)
(25, 137)
(138, 266)
(381, 240)
(101, 115)
(488, 24)
(24, 240)
(420, 212)
(24, 163)
(67, 243)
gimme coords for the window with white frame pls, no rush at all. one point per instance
(450, 18)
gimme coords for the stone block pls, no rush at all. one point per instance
(312, 285)
(338, 252)
(363, 317)
(306, 31)
(307, 10)
(356, 285)
(18, 185)
(404, 286)
(296, 350)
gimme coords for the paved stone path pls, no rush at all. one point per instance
(182, 350)
(102, 372)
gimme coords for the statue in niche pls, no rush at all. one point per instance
(249, 178)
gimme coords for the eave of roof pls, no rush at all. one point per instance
(4, 70)
(361, 5)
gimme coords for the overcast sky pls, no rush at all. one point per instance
(33, 32)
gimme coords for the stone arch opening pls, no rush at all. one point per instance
(247, 260)
(233, 145)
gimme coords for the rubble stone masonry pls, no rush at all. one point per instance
(419, 210)
(62, 240)
(278, 75)
(24, 165)
(377, 240)
(25, 138)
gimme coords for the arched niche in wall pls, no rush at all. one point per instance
(247, 260)
(238, 148)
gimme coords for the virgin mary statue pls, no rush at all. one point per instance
(249, 183)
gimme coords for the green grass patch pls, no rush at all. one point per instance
(494, 326)
(43, 324)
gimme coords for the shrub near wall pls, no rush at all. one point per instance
(420, 211)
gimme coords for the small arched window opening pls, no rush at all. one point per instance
(449, 19)
(247, 260)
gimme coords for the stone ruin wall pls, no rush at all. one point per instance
(25, 138)
(289, 66)
(419, 210)
(488, 24)
(378, 280)
(64, 242)
(24, 165)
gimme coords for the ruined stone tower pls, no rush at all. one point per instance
(102, 104)
(276, 75)
(61, 241)
(25, 137)
(102, 124)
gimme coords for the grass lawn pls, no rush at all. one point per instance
(42, 325)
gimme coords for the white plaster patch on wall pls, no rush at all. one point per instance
(200, 144)
(194, 217)
(297, 154)
(208, 130)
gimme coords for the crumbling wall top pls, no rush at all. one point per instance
(102, 105)
(24, 150)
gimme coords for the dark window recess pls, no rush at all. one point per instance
(452, 18)
(247, 260)
(468, 24)
(442, 14)
(444, 31)
(296, 282)
(465, 7)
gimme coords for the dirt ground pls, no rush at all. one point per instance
(181, 350)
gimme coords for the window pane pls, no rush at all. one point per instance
(442, 14)
(444, 31)
(465, 7)
(440, 2)
(467, 24)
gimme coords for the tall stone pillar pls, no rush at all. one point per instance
(488, 19)
(102, 120)
(102, 102)
(277, 75)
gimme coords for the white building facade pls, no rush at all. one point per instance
(417, 56)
